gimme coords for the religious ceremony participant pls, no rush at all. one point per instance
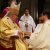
(9, 28)
(11, 3)
(40, 39)
(27, 23)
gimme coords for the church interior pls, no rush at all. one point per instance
(36, 7)
(24, 24)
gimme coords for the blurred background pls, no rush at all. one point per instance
(36, 7)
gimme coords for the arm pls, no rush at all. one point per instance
(6, 30)
(37, 36)
(33, 24)
(10, 32)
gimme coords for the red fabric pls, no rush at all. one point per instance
(2, 48)
(6, 10)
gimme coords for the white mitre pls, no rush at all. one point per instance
(15, 7)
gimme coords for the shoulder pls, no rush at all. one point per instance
(22, 17)
(31, 17)
(47, 23)
(5, 18)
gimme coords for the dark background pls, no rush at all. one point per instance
(36, 7)
(42, 4)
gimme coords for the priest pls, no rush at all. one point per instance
(40, 39)
(27, 23)
(9, 28)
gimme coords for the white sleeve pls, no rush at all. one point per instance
(37, 30)
(15, 33)
(33, 23)
(21, 18)
(35, 34)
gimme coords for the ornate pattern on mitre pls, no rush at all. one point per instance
(15, 7)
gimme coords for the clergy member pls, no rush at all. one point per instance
(27, 23)
(11, 3)
(40, 39)
(9, 28)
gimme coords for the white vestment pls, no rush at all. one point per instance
(29, 21)
(40, 39)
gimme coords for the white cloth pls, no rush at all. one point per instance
(40, 39)
(37, 30)
(29, 21)
(13, 5)
(15, 33)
